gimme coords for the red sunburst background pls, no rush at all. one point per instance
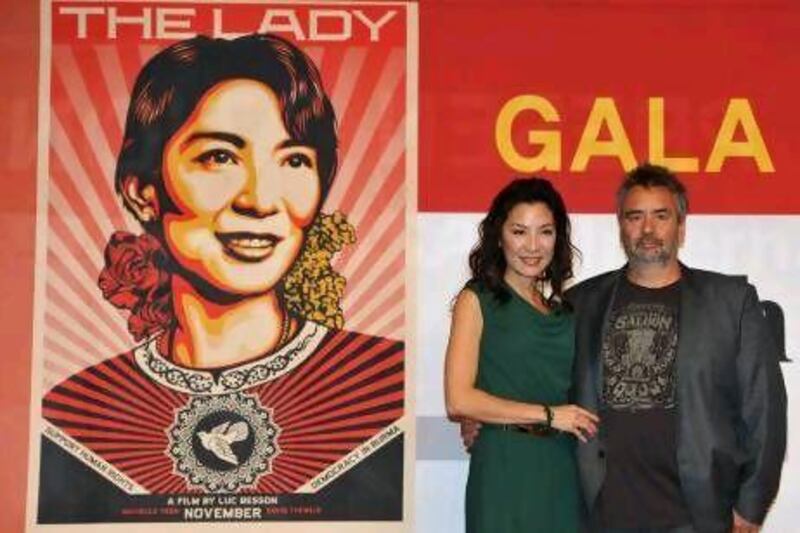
(90, 84)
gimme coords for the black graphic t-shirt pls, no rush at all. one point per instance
(639, 348)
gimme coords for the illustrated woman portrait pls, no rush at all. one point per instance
(242, 377)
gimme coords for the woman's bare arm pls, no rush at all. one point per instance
(464, 400)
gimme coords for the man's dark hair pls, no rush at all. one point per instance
(647, 175)
(172, 83)
(487, 261)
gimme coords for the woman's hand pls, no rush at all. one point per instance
(575, 420)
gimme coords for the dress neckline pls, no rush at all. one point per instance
(528, 304)
(232, 378)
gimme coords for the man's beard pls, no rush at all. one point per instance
(640, 256)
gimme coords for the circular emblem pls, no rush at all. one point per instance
(223, 443)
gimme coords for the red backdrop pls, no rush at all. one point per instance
(476, 56)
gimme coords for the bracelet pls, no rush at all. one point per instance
(549, 414)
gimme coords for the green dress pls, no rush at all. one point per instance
(520, 482)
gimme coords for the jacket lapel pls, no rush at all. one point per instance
(690, 309)
(598, 311)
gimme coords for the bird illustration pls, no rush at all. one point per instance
(218, 441)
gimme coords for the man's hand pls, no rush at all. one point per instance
(740, 525)
(469, 432)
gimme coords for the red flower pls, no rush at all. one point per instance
(132, 269)
(136, 278)
(155, 314)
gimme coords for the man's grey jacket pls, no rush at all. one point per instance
(731, 400)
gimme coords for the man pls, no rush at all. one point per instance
(680, 366)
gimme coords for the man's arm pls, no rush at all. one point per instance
(763, 412)
(469, 432)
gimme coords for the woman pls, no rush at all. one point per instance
(244, 381)
(509, 364)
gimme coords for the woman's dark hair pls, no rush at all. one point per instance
(487, 261)
(173, 82)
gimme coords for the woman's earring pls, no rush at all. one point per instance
(148, 214)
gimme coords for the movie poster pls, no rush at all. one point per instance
(221, 300)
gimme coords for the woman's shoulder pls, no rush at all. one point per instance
(475, 286)
(488, 298)
(479, 290)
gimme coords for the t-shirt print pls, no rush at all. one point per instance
(638, 353)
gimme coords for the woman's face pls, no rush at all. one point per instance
(243, 189)
(528, 240)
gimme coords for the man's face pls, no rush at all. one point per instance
(649, 227)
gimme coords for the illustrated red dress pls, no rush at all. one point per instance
(283, 423)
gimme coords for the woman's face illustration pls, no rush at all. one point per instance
(243, 190)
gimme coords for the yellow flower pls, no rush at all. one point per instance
(312, 288)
